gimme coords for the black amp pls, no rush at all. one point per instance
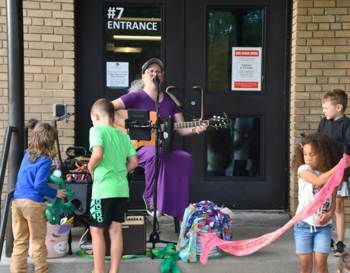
(82, 194)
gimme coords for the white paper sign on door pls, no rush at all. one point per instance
(117, 75)
(246, 68)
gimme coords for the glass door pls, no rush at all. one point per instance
(236, 55)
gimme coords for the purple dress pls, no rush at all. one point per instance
(175, 169)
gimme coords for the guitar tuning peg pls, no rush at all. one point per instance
(218, 116)
(214, 116)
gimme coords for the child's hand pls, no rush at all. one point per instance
(61, 193)
(323, 219)
(91, 170)
(92, 175)
(347, 162)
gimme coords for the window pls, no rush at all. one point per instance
(230, 28)
(235, 150)
(133, 36)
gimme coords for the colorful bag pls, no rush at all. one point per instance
(215, 251)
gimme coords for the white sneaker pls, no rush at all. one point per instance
(150, 212)
(150, 208)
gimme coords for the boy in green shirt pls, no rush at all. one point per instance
(113, 156)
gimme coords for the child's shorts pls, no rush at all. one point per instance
(104, 211)
(308, 240)
(343, 189)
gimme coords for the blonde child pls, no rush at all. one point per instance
(315, 160)
(113, 155)
(337, 126)
(28, 207)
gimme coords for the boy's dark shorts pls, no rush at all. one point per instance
(104, 211)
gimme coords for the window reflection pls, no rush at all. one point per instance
(219, 152)
(229, 28)
(235, 150)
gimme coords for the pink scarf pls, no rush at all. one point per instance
(246, 247)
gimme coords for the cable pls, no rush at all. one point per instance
(82, 244)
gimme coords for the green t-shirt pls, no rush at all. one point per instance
(110, 174)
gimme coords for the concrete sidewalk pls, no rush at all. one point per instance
(279, 256)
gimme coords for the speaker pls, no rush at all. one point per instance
(134, 236)
(82, 194)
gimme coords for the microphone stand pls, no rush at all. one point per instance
(54, 123)
(154, 237)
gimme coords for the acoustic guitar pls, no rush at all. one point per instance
(215, 121)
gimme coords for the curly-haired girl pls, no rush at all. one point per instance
(28, 207)
(315, 160)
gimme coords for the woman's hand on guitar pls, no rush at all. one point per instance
(201, 128)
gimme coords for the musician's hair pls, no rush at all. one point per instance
(42, 142)
(336, 96)
(136, 85)
(104, 107)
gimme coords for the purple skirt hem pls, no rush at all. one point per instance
(174, 179)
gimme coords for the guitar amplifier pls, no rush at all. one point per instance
(134, 236)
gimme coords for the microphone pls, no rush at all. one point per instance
(168, 136)
(156, 81)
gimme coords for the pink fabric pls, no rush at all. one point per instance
(246, 247)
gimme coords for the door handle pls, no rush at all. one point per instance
(202, 100)
(170, 87)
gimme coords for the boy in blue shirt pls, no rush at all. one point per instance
(337, 126)
(28, 207)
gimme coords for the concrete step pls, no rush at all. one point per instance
(279, 256)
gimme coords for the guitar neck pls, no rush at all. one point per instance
(188, 124)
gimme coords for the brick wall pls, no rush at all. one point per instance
(320, 61)
(49, 64)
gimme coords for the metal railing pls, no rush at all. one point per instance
(3, 163)
(4, 157)
(4, 217)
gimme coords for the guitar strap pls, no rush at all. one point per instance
(177, 104)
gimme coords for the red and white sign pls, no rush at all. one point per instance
(247, 53)
(246, 69)
(246, 84)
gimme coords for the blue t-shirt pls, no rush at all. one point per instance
(31, 180)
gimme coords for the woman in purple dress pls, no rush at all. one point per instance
(175, 169)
